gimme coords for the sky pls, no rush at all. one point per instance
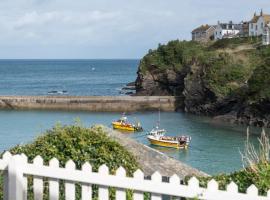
(90, 29)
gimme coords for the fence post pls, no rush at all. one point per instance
(15, 178)
(6, 157)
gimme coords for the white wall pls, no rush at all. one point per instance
(266, 36)
(256, 29)
(219, 33)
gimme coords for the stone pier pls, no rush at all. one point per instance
(91, 103)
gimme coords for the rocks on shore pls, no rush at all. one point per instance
(129, 89)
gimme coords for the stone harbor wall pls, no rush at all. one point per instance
(90, 103)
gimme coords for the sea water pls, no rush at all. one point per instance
(214, 148)
(66, 77)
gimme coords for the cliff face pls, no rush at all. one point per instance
(156, 82)
(221, 82)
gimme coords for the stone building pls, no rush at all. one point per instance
(203, 33)
(244, 29)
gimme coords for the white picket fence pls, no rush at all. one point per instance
(16, 169)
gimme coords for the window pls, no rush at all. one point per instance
(256, 28)
(252, 26)
(262, 25)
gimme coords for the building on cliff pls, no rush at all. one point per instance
(203, 33)
(244, 29)
(258, 23)
(266, 35)
(227, 30)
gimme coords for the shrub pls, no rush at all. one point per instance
(81, 145)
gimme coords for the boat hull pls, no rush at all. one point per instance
(169, 144)
(123, 127)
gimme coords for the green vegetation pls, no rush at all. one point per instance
(232, 43)
(227, 64)
(259, 82)
(81, 145)
(174, 55)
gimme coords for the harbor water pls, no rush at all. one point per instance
(215, 148)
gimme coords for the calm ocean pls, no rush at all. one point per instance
(214, 148)
(67, 77)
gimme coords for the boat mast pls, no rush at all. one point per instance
(159, 115)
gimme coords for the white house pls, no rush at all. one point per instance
(266, 35)
(258, 23)
(226, 30)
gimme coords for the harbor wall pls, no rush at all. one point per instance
(91, 103)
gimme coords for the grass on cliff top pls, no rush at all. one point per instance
(174, 55)
(224, 72)
(232, 43)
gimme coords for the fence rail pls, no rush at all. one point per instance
(17, 170)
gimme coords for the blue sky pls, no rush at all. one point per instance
(107, 28)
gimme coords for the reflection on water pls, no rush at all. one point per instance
(214, 148)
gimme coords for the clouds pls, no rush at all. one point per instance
(105, 28)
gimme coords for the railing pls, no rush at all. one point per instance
(17, 171)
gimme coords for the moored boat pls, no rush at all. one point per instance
(157, 137)
(123, 124)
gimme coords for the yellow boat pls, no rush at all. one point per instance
(123, 124)
(157, 137)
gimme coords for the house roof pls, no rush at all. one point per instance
(256, 18)
(202, 28)
(266, 18)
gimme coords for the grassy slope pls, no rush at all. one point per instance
(228, 64)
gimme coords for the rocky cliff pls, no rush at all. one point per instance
(227, 80)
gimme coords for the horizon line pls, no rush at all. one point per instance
(70, 58)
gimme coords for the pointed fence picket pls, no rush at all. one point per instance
(139, 177)
(38, 180)
(103, 191)
(54, 182)
(16, 170)
(69, 185)
(86, 188)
